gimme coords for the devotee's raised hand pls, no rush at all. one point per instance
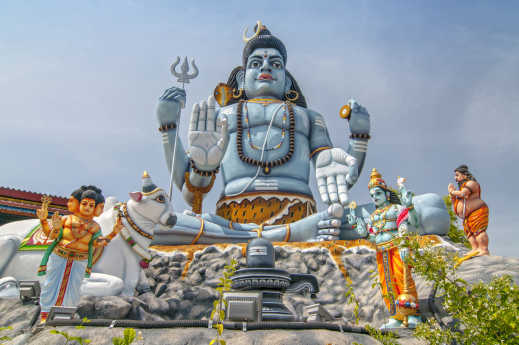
(208, 137)
(450, 188)
(335, 169)
(405, 195)
(170, 103)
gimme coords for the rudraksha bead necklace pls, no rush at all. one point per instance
(266, 165)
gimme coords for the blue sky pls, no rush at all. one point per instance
(79, 82)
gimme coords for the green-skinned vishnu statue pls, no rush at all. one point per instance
(263, 140)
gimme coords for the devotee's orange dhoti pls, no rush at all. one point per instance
(476, 222)
(391, 276)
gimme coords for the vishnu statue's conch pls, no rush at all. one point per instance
(257, 132)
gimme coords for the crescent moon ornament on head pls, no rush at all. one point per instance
(258, 29)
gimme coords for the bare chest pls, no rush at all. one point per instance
(259, 118)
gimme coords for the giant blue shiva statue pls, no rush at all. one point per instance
(261, 139)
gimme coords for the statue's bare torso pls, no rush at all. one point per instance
(264, 144)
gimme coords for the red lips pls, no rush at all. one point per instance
(265, 76)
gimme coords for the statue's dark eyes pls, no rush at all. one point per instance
(276, 64)
(161, 199)
(255, 64)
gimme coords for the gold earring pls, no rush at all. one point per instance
(237, 95)
(292, 95)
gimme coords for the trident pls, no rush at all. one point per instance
(183, 77)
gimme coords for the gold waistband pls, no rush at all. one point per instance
(385, 245)
(70, 254)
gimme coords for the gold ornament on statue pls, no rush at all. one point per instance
(345, 111)
(223, 94)
(237, 95)
(292, 95)
(259, 26)
(375, 180)
(406, 304)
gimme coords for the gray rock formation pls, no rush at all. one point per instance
(175, 298)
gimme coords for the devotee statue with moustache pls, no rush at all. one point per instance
(467, 204)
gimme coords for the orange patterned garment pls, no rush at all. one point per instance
(476, 222)
(391, 275)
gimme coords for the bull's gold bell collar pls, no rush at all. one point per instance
(375, 180)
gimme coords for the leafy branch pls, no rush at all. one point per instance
(484, 313)
(5, 337)
(351, 298)
(80, 340)
(129, 336)
(220, 304)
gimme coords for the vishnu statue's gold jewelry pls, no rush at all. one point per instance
(198, 192)
(292, 95)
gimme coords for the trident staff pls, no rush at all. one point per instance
(183, 77)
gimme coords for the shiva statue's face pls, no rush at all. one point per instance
(379, 197)
(87, 207)
(265, 74)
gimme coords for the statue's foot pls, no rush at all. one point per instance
(392, 323)
(483, 253)
(413, 321)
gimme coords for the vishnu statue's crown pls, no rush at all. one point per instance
(375, 180)
(262, 38)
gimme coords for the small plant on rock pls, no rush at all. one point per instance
(77, 339)
(351, 298)
(220, 304)
(5, 337)
(129, 336)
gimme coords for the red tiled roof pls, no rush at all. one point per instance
(31, 196)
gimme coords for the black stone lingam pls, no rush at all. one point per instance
(261, 275)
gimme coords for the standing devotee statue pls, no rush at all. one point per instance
(468, 205)
(70, 257)
(262, 140)
(389, 221)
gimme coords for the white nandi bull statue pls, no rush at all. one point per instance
(119, 269)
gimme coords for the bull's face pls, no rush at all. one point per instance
(154, 206)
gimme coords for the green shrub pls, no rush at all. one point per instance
(484, 313)
(220, 304)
